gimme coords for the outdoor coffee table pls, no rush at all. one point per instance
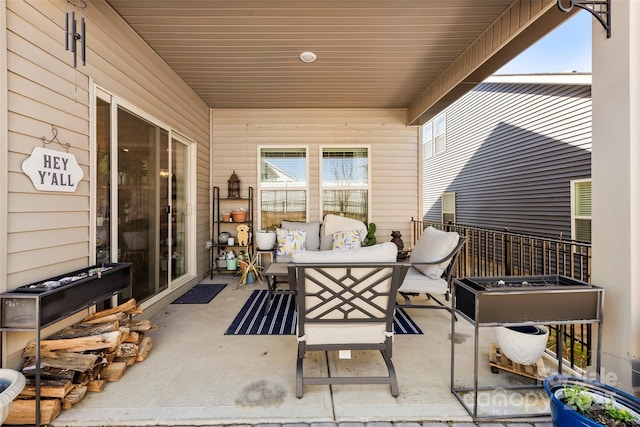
(274, 271)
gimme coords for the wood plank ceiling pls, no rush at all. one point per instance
(371, 53)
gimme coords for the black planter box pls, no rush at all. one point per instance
(77, 290)
(521, 299)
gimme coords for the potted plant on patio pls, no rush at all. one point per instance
(250, 272)
(583, 402)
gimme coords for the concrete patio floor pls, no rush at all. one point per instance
(196, 375)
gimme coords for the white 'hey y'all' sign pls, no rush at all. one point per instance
(52, 170)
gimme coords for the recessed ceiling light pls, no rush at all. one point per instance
(308, 57)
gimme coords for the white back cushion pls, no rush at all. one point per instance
(434, 245)
(383, 252)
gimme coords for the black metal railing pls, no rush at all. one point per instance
(490, 252)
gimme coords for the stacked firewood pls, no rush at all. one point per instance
(80, 358)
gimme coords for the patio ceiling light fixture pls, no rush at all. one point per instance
(308, 57)
(71, 34)
(601, 9)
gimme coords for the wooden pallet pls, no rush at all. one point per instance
(498, 360)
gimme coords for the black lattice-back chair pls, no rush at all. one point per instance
(345, 305)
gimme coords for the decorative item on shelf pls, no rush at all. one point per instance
(221, 261)
(265, 239)
(243, 234)
(226, 216)
(234, 186)
(223, 238)
(239, 215)
(232, 261)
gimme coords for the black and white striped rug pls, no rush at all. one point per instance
(281, 319)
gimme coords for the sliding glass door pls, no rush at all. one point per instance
(142, 196)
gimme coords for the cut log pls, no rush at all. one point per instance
(125, 333)
(143, 349)
(96, 386)
(85, 329)
(141, 325)
(23, 411)
(124, 307)
(74, 396)
(78, 362)
(115, 317)
(48, 388)
(114, 371)
(127, 350)
(133, 337)
(47, 373)
(80, 344)
(128, 360)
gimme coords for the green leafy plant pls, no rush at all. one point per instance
(618, 414)
(370, 240)
(607, 414)
(577, 398)
(250, 267)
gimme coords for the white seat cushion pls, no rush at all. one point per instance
(416, 282)
(347, 333)
(434, 245)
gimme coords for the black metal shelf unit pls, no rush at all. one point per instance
(218, 225)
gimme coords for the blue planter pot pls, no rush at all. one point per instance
(564, 416)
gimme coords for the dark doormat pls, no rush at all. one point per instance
(200, 294)
(281, 319)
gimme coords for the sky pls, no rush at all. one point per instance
(565, 49)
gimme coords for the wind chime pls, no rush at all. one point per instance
(71, 34)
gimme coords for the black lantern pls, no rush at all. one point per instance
(234, 186)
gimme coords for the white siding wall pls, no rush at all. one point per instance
(236, 134)
(49, 233)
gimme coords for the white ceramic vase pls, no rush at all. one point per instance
(522, 344)
(265, 240)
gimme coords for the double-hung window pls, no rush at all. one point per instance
(345, 182)
(434, 137)
(283, 185)
(440, 134)
(581, 210)
(427, 141)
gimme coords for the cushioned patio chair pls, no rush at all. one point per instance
(346, 301)
(432, 261)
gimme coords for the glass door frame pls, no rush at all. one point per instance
(190, 187)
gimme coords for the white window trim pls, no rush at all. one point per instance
(573, 183)
(442, 211)
(435, 147)
(321, 184)
(426, 155)
(260, 187)
(116, 101)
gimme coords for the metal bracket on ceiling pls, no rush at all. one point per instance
(600, 9)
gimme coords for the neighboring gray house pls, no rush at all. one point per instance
(514, 152)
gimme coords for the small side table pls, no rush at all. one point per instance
(274, 271)
(260, 253)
